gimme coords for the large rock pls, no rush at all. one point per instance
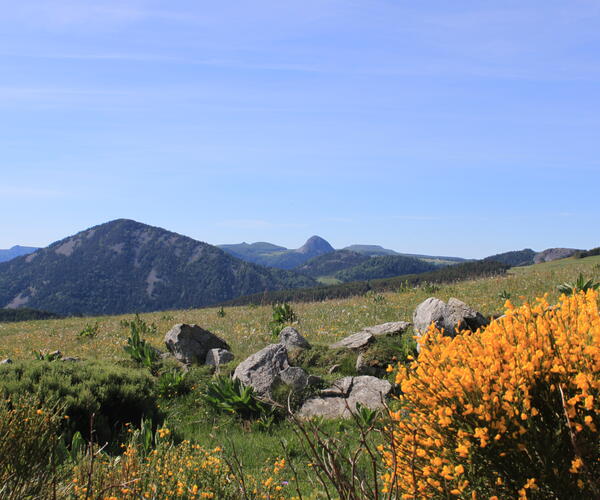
(391, 328)
(341, 399)
(262, 370)
(291, 339)
(216, 357)
(190, 343)
(447, 317)
(354, 341)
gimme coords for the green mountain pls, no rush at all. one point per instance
(386, 266)
(515, 258)
(125, 266)
(267, 254)
(16, 251)
(332, 262)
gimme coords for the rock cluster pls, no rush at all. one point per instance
(341, 399)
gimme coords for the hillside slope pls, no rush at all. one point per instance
(125, 266)
(331, 263)
(386, 266)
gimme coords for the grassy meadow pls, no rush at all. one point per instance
(246, 328)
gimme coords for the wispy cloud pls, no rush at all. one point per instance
(257, 224)
(24, 192)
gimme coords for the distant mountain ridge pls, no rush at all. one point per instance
(125, 266)
(528, 257)
(15, 251)
(270, 255)
(267, 254)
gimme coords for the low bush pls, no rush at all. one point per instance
(114, 395)
(511, 412)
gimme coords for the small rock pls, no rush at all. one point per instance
(291, 339)
(354, 341)
(216, 357)
(190, 343)
(391, 328)
(6, 361)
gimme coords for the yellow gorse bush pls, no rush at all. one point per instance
(509, 412)
(183, 471)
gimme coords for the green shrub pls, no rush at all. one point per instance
(388, 351)
(172, 383)
(581, 285)
(231, 396)
(90, 330)
(114, 395)
(46, 356)
(283, 314)
(136, 347)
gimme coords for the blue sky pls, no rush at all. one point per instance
(456, 128)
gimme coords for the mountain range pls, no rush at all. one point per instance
(271, 255)
(125, 266)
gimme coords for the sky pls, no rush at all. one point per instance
(460, 128)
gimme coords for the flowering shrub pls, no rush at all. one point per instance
(29, 435)
(509, 412)
(181, 471)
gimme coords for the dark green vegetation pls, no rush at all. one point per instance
(330, 263)
(15, 251)
(515, 258)
(115, 395)
(267, 254)
(581, 285)
(449, 274)
(386, 266)
(370, 250)
(24, 314)
(587, 253)
(124, 266)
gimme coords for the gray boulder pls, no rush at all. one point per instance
(216, 357)
(354, 341)
(391, 328)
(447, 317)
(341, 399)
(263, 368)
(429, 311)
(291, 339)
(190, 343)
